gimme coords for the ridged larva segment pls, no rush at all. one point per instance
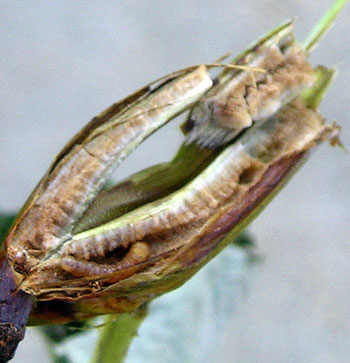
(137, 254)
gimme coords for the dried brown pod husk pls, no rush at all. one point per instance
(70, 261)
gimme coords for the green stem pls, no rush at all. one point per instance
(116, 337)
(321, 28)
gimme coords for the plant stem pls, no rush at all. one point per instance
(116, 337)
(15, 307)
(323, 25)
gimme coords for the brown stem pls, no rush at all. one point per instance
(14, 311)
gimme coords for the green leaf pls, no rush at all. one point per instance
(244, 240)
(6, 219)
(61, 359)
(58, 333)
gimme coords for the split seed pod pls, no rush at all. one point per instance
(79, 251)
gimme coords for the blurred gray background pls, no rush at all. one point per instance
(63, 62)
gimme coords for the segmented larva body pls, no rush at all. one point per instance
(138, 253)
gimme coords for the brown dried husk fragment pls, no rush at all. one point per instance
(237, 101)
